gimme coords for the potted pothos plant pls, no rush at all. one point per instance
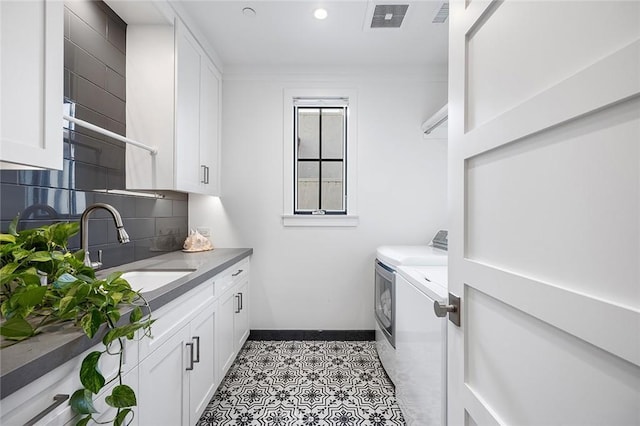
(43, 283)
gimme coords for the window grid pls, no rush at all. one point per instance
(320, 160)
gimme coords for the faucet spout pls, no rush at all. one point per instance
(123, 237)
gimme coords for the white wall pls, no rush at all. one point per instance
(322, 278)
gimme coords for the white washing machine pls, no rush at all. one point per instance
(421, 345)
(388, 260)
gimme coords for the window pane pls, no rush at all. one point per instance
(308, 133)
(332, 186)
(308, 188)
(332, 133)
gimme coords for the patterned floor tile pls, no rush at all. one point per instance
(305, 383)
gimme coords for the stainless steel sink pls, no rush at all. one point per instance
(150, 280)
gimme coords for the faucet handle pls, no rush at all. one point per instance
(100, 257)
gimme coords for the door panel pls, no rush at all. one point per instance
(573, 186)
(538, 59)
(544, 241)
(560, 377)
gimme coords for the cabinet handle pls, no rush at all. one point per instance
(237, 273)
(204, 174)
(241, 302)
(238, 304)
(190, 367)
(57, 401)
(197, 339)
(207, 170)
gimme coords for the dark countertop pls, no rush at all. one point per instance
(26, 361)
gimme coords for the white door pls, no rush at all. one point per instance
(187, 144)
(544, 159)
(31, 83)
(228, 306)
(210, 128)
(163, 398)
(202, 380)
(241, 319)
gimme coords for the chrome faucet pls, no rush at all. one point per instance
(123, 237)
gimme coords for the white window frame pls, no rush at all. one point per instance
(288, 216)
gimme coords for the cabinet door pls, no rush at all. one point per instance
(203, 380)
(241, 320)
(164, 393)
(31, 80)
(227, 307)
(187, 144)
(210, 128)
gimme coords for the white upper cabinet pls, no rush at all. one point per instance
(31, 83)
(173, 102)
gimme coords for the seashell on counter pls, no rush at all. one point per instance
(196, 242)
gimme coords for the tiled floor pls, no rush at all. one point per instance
(305, 383)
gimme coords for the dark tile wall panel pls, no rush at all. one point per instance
(95, 84)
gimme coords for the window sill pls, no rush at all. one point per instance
(319, 220)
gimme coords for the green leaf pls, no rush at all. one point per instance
(90, 376)
(136, 315)
(60, 232)
(114, 315)
(84, 421)
(113, 276)
(20, 253)
(122, 397)
(58, 256)
(67, 304)
(13, 226)
(16, 328)
(64, 280)
(40, 256)
(121, 417)
(7, 238)
(82, 402)
(82, 291)
(6, 273)
(122, 331)
(91, 322)
(116, 296)
(29, 278)
(98, 300)
(31, 296)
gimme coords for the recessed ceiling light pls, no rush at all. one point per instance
(320, 13)
(247, 11)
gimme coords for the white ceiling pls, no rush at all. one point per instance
(285, 33)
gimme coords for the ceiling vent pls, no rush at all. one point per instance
(442, 15)
(388, 15)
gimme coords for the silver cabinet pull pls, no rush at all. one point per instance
(57, 401)
(238, 303)
(241, 301)
(205, 174)
(197, 340)
(453, 309)
(237, 273)
(190, 367)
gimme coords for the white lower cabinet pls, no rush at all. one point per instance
(195, 339)
(164, 392)
(202, 380)
(177, 377)
(233, 315)
(224, 335)
(241, 317)
(41, 399)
